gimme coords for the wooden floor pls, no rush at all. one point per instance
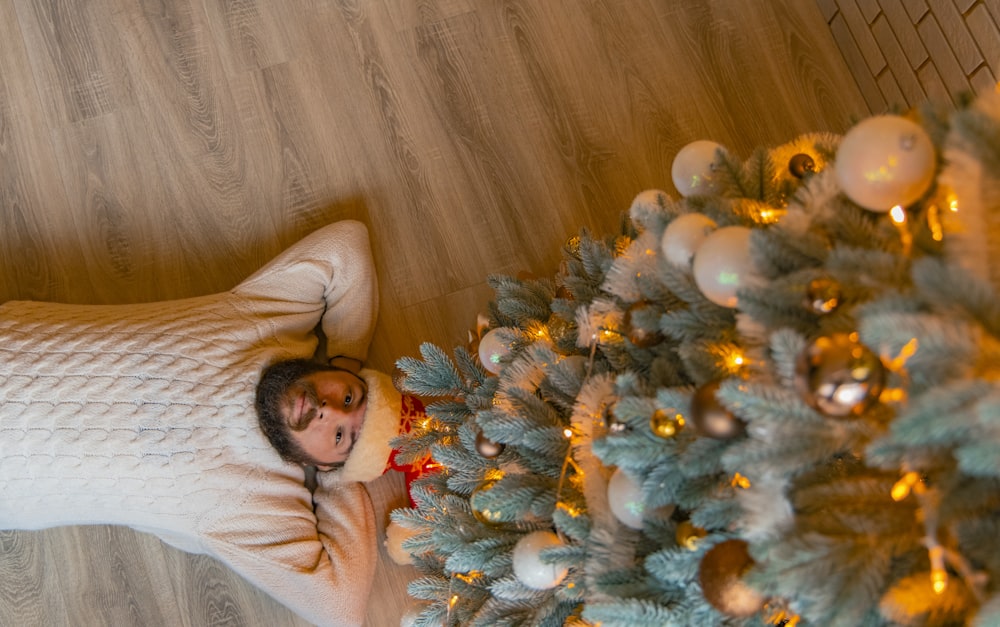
(155, 149)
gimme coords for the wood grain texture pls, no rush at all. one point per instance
(168, 148)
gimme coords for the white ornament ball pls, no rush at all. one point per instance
(885, 161)
(528, 566)
(395, 534)
(684, 235)
(693, 169)
(625, 499)
(493, 348)
(722, 264)
(409, 618)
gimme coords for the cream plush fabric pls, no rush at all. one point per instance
(143, 415)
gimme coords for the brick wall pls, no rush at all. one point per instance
(905, 52)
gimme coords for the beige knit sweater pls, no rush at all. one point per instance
(142, 415)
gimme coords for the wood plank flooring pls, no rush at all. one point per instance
(156, 149)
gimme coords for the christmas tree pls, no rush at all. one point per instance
(774, 400)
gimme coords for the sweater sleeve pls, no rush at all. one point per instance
(326, 278)
(320, 565)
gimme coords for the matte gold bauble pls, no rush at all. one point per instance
(487, 447)
(823, 295)
(721, 577)
(485, 516)
(839, 376)
(639, 336)
(711, 418)
(801, 164)
(666, 423)
(687, 535)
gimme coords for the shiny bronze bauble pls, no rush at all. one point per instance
(711, 418)
(839, 376)
(639, 335)
(487, 447)
(823, 295)
(801, 164)
(721, 577)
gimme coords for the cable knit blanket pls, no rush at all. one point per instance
(142, 415)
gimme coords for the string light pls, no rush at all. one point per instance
(739, 481)
(898, 216)
(939, 576)
(901, 489)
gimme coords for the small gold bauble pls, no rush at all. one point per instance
(687, 535)
(485, 516)
(487, 447)
(666, 423)
(839, 376)
(823, 295)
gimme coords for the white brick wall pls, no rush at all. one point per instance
(905, 52)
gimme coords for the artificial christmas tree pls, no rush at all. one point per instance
(775, 400)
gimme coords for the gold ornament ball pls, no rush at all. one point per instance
(639, 336)
(721, 577)
(823, 295)
(711, 418)
(839, 376)
(801, 164)
(687, 535)
(485, 516)
(487, 447)
(666, 423)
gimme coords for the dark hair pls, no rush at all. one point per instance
(274, 383)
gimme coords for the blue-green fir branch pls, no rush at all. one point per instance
(522, 301)
(954, 291)
(435, 375)
(634, 613)
(940, 419)
(946, 347)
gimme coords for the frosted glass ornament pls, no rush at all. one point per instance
(395, 534)
(683, 236)
(409, 618)
(885, 161)
(693, 169)
(722, 264)
(625, 499)
(493, 348)
(528, 566)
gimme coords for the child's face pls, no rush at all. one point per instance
(325, 411)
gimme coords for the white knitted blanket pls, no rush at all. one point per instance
(142, 415)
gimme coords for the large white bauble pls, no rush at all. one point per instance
(722, 264)
(492, 348)
(885, 161)
(395, 534)
(684, 235)
(528, 566)
(692, 170)
(409, 618)
(625, 499)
